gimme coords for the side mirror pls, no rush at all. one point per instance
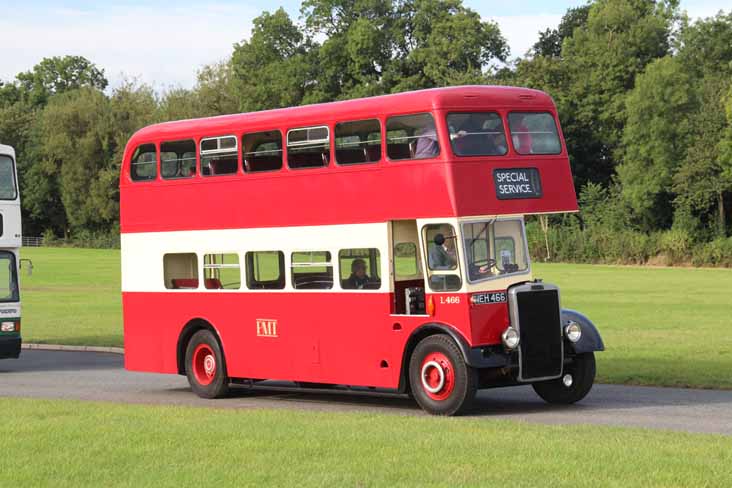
(29, 268)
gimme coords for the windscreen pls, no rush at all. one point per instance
(494, 248)
(8, 278)
(8, 188)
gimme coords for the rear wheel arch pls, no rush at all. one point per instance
(193, 326)
(420, 333)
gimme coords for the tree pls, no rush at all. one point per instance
(58, 75)
(75, 144)
(551, 40)
(705, 46)
(603, 59)
(353, 48)
(272, 69)
(656, 136)
(705, 175)
(215, 91)
(441, 43)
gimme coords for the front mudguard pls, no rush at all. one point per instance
(591, 340)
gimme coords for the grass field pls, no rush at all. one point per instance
(64, 443)
(661, 326)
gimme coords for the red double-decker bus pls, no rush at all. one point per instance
(373, 243)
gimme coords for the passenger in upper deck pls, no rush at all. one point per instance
(477, 134)
(427, 145)
(521, 135)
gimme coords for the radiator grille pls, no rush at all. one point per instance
(539, 323)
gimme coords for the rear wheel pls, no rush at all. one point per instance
(440, 381)
(575, 383)
(205, 366)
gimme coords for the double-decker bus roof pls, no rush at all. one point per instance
(440, 186)
(451, 98)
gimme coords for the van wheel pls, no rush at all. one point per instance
(440, 381)
(205, 366)
(575, 383)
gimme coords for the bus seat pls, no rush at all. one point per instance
(184, 283)
(264, 163)
(351, 156)
(213, 284)
(399, 151)
(374, 153)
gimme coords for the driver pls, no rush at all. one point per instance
(439, 256)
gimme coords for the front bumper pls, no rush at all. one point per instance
(10, 346)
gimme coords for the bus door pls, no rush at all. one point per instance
(407, 275)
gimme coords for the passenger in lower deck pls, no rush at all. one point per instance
(358, 279)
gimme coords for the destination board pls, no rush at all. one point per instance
(517, 183)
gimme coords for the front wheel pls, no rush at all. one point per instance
(440, 381)
(205, 366)
(575, 383)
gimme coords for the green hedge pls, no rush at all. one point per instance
(595, 244)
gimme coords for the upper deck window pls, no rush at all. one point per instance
(8, 189)
(477, 134)
(178, 159)
(534, 133)
(144, 163)
(358, 142)
(412, 137)
(219, 156)
(308, 147)
(263, 151)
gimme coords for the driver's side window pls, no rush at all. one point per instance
(442, 257)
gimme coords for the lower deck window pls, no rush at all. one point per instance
(265, 270)
(221, 272)
(180, 271)
(359, 269)
(312, 270)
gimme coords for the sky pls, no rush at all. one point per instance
(154, 43)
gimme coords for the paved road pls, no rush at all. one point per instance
(98, 376)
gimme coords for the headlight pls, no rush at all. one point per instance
(511, 338)
(7, 326)
(573, 331)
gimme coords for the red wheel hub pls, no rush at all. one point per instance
(204, 364)
(438, 376)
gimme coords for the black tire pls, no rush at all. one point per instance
(464, 378)
(215, 385)
(582, 370)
